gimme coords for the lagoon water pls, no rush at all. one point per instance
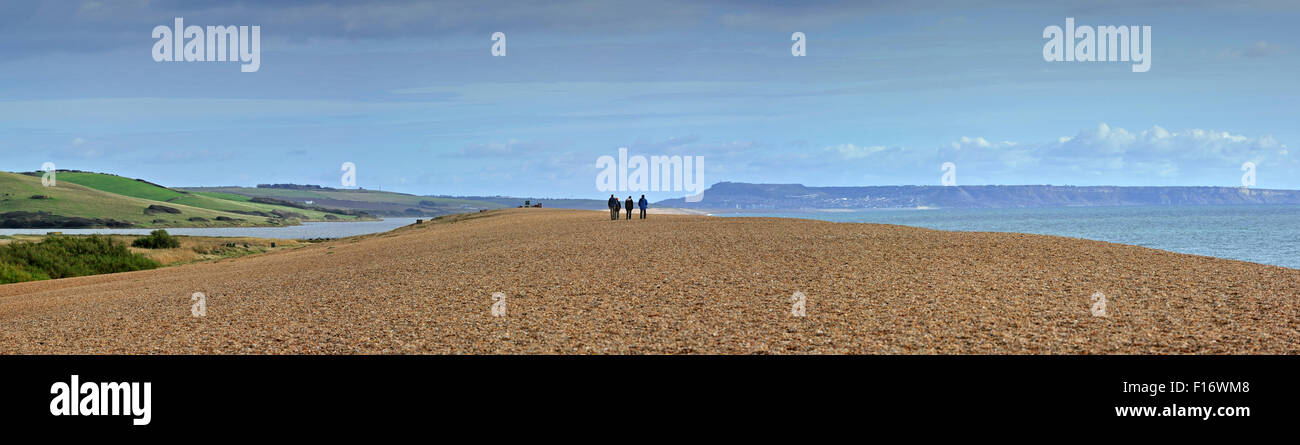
(305, 231)
(1260, 234)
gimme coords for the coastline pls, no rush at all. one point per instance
(682, 284)
(1263, 234)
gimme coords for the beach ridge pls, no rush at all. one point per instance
(575, 282)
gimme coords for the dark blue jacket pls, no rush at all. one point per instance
(643, 203)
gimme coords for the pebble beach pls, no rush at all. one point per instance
(574, 282)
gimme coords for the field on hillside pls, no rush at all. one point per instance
(119, 185)
(24, 199)
(373, 201)
(212, 201)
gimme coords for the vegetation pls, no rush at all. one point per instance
(156, 209)
(62, 256)
(120, 185)
(193, 248)
(281, 202)
(87, 200)
(158, 239)
(373, 202)
(70, 205)
(222, 202)
(46, 220)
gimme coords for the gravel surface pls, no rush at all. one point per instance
(577, 283)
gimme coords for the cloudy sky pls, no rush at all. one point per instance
(888, 91)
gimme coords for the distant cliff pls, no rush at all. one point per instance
(743, 196)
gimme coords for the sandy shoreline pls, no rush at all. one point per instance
(578, 283)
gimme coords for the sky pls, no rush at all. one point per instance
(885, 94)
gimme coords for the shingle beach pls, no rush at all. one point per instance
(577, 283)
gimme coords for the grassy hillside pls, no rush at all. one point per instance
(69, 205)
(211, 201)
(371, 201)
(119, 185)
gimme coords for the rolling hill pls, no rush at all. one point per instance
(375, 202)
(24, 202)
(137, 188)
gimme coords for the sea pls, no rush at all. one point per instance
(1267, 234)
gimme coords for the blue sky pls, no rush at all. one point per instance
(888, 91)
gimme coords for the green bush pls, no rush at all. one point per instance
(158, 239)
(62, 256)
(10, 273)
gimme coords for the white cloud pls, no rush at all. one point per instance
(850, 151)
(967, 143)
(1097, 155)
(1157, 143)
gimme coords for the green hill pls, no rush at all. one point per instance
(119, 185)
(212, 201)
(375, 202)
(24, 202)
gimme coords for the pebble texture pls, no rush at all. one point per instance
(577, 283)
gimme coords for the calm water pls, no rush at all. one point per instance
(1261, 234)
(304, 231)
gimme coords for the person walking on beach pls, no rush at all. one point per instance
(613, 208)
(628, 205)
(643, 203)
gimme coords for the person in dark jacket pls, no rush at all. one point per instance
(613, 207)
(628, 205)
(643, 203)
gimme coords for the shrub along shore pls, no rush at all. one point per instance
(59, 256)
(34, 257)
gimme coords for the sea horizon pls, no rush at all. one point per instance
(1221, 231)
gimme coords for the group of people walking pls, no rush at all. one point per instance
(613, 207)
